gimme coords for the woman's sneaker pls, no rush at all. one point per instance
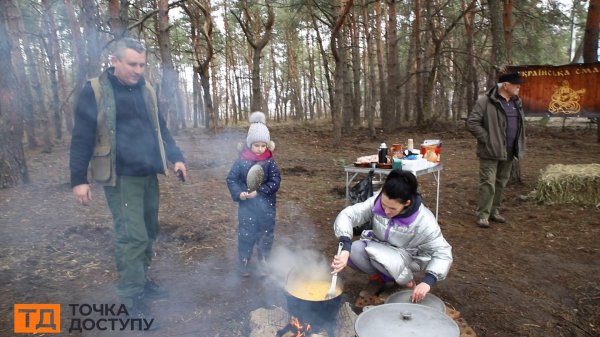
(374, 287)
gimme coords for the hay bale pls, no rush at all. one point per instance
(573, 184)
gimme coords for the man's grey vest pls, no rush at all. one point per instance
(103, 163)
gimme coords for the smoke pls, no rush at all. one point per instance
(287, 261)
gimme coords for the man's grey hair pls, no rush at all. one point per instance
(128, 43)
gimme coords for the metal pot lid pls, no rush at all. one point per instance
(406, 320)
(430, 300)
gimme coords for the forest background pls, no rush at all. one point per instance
(349, 63)
(335, 78)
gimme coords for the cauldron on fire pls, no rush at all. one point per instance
(305, 296)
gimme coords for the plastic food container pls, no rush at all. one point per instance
(431, 150)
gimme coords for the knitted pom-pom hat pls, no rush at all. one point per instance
(258, 131)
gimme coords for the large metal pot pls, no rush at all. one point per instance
(430, 300)
(404, 319)
(316, 312)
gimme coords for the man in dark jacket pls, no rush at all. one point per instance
(498, 123)
(120, 133)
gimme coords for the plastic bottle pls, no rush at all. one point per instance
(383, 152)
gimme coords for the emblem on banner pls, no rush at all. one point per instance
(566, 100)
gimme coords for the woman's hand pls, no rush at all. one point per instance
(420, 291)
(340, 261)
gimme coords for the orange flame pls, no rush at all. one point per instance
(302, 329)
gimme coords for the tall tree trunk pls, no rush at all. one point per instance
(214, 107)
(93, 44)
(18, 38)
(65, 106)
(471, 83)
(507, 24)
(410, 82)
(370, 84)
(418, 64)
(293, 72)
(13, 166)
(345, 56)
(434, 55)
(119, 15)
(379, 49)
(169, 83)
(356, 68)
(498, 47)
(50, 41)
(204, 57)
(79, 54)
(325, 96)
(275, 84)
(195, 99)
(208, 103)
(438, 34)
(234, 88)
(336, 45)
(590, 41)
(592, 32)
(325, 62)
(312, 85)
(257, 43)
(238, 89)
(388, 115)
(38, 99)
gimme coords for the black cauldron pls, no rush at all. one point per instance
(319, 313)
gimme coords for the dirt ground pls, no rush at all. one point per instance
(537, 275)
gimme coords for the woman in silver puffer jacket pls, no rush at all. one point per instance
(405, 238)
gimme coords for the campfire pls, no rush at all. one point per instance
(278, 322)
(310, 310)
(295, 329)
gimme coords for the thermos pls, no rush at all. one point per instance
(383, 152)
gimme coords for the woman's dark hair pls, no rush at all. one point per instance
(400, 185)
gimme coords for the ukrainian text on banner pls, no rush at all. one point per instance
(560, 91)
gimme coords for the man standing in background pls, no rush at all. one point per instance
(498, 123)
(120, 133)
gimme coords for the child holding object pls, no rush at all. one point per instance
(405, 239)
(253, 182)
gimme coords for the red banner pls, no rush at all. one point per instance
(571, 90)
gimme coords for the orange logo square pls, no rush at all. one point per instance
(37, 318)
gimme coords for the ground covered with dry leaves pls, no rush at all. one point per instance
(537, 275)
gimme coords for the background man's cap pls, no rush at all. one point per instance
(512, 78)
